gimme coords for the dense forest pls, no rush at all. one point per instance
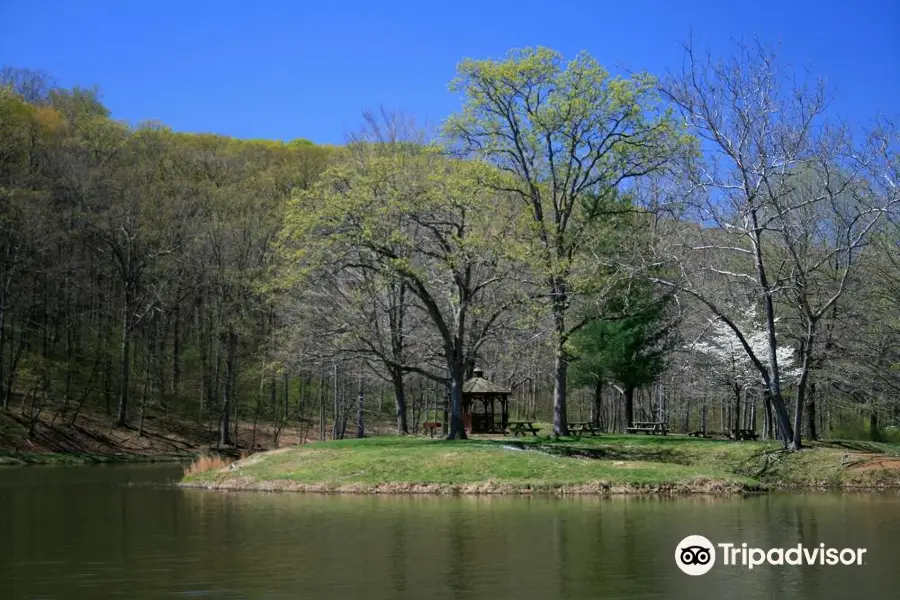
(709, 247)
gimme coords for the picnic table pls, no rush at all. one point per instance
(579, 427)
(648, 427)
(744, 434)
(523, 427)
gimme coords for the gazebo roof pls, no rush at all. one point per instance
(480, 385)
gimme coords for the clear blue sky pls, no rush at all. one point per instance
(282, 70)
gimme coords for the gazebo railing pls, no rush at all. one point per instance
(488, 422)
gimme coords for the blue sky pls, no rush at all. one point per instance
(283, 70)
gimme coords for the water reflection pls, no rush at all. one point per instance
(98, 533)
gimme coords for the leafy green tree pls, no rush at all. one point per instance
(630, 349)
(410, 214)
(561, 132)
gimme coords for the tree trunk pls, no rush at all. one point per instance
(335, 412)
(203, 347)
(805, 353)
(399, 401)
(598, 401)
(703, 418)
(286, 399)
(561, 363)
(322, 423)
(227, 390)
(722, 417)
(360, 428)
(216, 348)
(146, 391)
(235, 414)
(273, 396)
(629, 406)
(125, 366)
(457, 427)
(751, 420)
(773, 382)
(70, 357)
(158, 389)
(176, 351)
(874, 433)
(4, 399)
(737, 408)
(661, 403)
(811, 431)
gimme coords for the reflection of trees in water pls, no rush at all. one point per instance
(459, 547)
(398, 554)
(807, 527)
(561, 551)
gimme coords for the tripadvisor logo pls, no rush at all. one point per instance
(696, 555)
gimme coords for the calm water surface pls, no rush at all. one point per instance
(107, 532)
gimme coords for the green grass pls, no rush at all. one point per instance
(624, 462)
(831, 463)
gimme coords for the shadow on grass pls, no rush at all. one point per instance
(572, 449)
(392, 442)
(860, 446)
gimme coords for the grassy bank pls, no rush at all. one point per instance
(605, 464)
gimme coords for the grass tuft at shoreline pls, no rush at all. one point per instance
(206, 463)
(606, 464)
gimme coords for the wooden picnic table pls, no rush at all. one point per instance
(523, 427)
(649, 427)
(584, 427)
(744, 434)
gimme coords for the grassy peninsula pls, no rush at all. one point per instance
(607, 464)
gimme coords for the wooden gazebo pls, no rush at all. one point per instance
(485, 405)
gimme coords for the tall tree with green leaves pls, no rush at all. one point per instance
(410, 213)
(630, 349)
(560, 132)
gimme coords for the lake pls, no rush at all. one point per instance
(117, 531)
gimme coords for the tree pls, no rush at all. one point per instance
(561, 132)
(770, 191)
(412, 215)
(26, 224)
(368, 312)
(630, 349)
(31, 86)
(136, 222)
(727, 363)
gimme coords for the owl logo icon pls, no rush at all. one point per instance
(695, 555)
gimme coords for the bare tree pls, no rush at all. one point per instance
(777, 196)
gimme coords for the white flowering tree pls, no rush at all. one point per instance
(726, 362)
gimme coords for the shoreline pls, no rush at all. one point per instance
(489, 488)
(23, 459)
(602, 466)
